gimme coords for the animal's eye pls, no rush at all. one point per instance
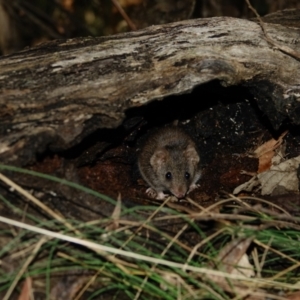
(187, 175)
(169, 175)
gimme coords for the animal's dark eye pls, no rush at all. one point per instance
(187, 175)
(169, 175)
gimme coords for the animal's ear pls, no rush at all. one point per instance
(192, 155)
(158, 158)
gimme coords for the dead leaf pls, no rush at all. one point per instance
(280, 178)
(266, 152)
(248, 186)
(283, 175)
(26, 289)
(244, 267)
(115, 217)
(68, 287)
(294, 296)
(233, 258)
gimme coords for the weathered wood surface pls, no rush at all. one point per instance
(56, 94)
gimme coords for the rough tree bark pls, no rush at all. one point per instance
(56, 94)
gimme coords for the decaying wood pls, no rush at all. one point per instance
(56, 94)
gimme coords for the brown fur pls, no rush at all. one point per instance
(170, 150)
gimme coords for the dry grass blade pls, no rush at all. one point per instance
(105, 249)
(31, 198)
(190, 259)
(24, 267)
(162, 254)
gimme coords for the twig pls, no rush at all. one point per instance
(124, 15)
(284, 49)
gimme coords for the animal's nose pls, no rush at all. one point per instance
(179, 196)
(179, 193)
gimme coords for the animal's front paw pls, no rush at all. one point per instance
(161, 196)
(152, 193)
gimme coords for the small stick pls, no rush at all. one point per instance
(124, 15)
(284, 49)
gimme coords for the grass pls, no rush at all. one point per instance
(134, 258)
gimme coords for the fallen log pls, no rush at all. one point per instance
(54, 95)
